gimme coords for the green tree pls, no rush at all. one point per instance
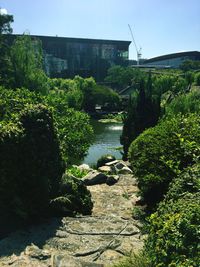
(190, 65)
(5, 28)
(26, 59)
(143, 112)
(121, 77)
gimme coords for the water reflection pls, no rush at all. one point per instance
(107, 139)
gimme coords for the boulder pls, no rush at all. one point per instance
(84, 167)
(34, 252)
(94, 178)
(125, 170)
(104, 159)
(111, 180)
(120, 165)
(112, 163)
(106, 169)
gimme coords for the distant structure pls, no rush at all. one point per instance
(66, 57)
(171, 60)
(139, 53)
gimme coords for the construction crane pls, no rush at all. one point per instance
(139, 54)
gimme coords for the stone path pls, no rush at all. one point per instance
(86, 241)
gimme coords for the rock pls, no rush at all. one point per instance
(63, 260)
(84, 167)
(120, 165)
(94, 178)
(34, 252)
(111, 180)
(112, 162)
(106, 169)
(104, 159)
(125, 170)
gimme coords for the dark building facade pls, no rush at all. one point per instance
(172, 60)
(67, 57)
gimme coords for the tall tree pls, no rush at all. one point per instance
(5, 28)
(26, 59)
(143, 112)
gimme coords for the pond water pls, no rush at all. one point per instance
(107, 139)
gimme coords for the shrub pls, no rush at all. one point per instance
(75, 134)
(174, 235)
(197, 78)
(105, 159)
(74, 197)
(75, 171)
(30, 166)
(188, 181)
(160, 153)
(12, 102)
(184, 104)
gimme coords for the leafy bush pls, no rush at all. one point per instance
(184, 104)
(75, 134)
(12, 102)
(105, 159)
(30, 166)
(187, 181)
(160, 153)
(174, 235)
(197, 79)
(76, 172)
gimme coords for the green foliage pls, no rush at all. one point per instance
(66, 92)
(172, 83)
(75, 133)
(160, 153)
(30, 166)
(5, 21)
(105, 159)
(74, 198)
(74, 129)
(143, 112)
(197, 78)
(5, 28)
(106, 97)
(118, 117)
(187, 181)
(184, 104)
(174, 235)
(122, 77)
(134, 260)
(26, 59)
(138, 213)
(84, 94)
(76, 172)
(12, 102)
(190, 65)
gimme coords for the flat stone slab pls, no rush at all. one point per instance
(85, 241)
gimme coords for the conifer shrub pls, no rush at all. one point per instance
(159, 154)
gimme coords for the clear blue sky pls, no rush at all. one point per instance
(159, 26)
